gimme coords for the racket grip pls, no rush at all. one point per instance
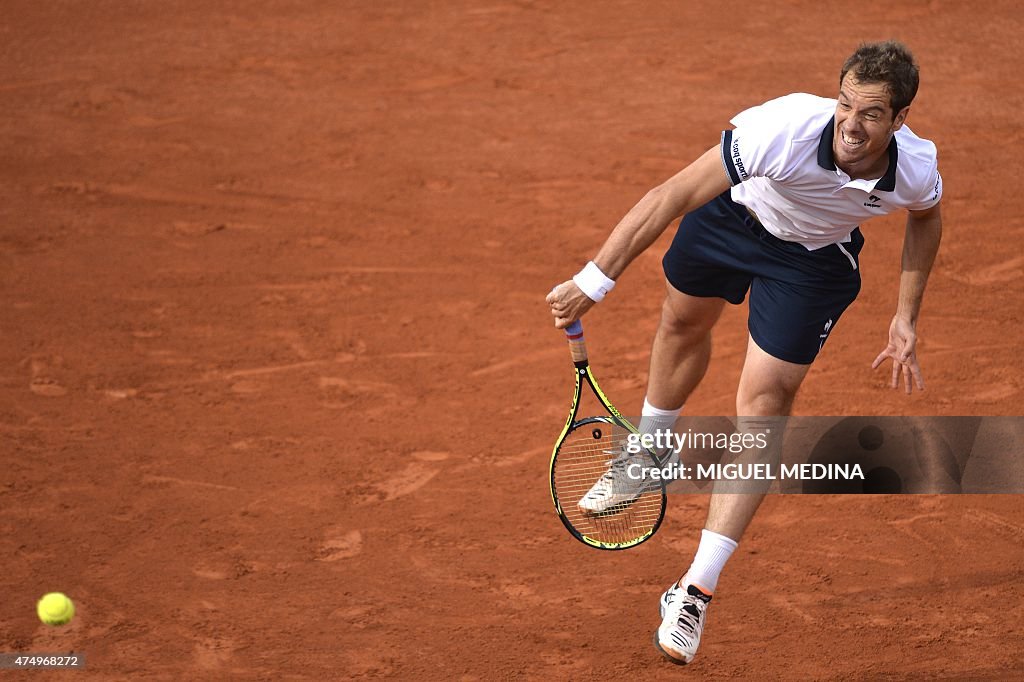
(577, 346)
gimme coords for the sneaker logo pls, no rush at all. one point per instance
(873, 202)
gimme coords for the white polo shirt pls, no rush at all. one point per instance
(780, 161)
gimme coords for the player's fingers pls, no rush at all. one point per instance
(908, 348)
(895, 374)
(557, 294)
(881, 357)
(907, 380)
(918, 377)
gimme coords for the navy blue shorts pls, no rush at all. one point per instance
(796, 295)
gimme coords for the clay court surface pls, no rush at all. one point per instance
(279, 386)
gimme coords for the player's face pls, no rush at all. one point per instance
(864, 125)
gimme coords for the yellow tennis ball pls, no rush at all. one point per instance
(55, 609)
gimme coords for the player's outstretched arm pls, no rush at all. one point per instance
(920, 244)
(692, 187)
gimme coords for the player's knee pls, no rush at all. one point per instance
(765, 401)
(683, 323)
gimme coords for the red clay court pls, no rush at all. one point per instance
(279, 385)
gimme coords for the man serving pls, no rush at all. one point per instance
(773, 210)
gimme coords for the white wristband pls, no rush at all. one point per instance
(594, 283)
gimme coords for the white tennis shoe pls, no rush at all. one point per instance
(682, 622)
(621, 484)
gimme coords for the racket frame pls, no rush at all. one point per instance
(584, 375)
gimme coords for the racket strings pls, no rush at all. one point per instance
(589, 453)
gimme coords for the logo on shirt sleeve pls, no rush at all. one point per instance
(873, 202)
(737, 161)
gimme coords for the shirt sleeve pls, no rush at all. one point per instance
(756, 147)
(932, 194)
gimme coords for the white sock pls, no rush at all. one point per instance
(712, 553)
(654, 419)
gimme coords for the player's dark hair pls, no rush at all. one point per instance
(890, 63)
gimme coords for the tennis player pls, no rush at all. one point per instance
(773, 210)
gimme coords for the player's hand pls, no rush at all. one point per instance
(568, 303)
(902, 349)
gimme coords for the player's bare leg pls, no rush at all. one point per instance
(767, 388)
(682, 347)
(679, 359)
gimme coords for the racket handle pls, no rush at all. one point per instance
(577, 346)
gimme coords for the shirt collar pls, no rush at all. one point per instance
(826, 159)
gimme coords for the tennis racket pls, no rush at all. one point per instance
(599, 494)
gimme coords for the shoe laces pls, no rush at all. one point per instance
(687, 620)
(618, 465)
(622, 459)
